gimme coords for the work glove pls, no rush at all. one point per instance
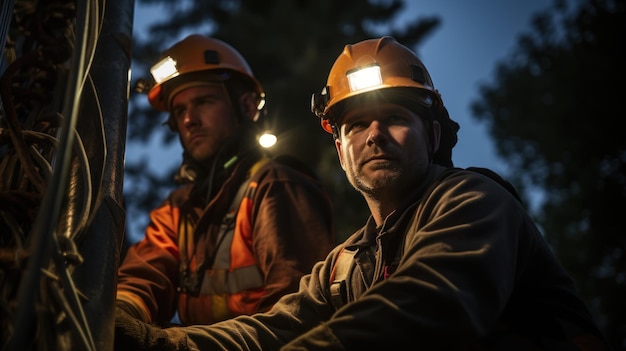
(133, 334)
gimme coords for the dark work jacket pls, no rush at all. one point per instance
(461, 267)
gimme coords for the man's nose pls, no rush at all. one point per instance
(375, 134)
(191, 117)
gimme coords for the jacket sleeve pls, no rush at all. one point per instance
(149, 271)
(293, 315)
(292, 229)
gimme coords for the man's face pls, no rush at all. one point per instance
(383, 148)
(205, 119)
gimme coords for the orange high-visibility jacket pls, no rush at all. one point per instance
(280, 228)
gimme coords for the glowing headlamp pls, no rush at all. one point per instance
(364, 77)
(267, 139)
(164, 70)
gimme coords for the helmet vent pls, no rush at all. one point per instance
(417, 74)
(211, 57)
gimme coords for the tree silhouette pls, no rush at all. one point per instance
(290, 46)
(553, 111)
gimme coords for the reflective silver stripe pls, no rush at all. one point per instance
(225, 240)
(222, 281)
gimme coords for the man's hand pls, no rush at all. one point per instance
(134, 335)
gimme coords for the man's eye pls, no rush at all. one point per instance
(179, 113)
(397, 119)
(207, 100)
(356, 126)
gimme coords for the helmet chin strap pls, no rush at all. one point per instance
(231, 151)
(213, 169)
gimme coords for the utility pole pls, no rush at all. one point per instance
(64, 89)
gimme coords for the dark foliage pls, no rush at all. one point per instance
(554, 112)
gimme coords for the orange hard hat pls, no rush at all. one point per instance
(197, 60)
(373, 65)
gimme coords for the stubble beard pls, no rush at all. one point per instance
(375, 186)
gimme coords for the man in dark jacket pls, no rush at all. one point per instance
(448, 260)
(245, 227)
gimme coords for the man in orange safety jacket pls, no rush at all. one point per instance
(245, 226)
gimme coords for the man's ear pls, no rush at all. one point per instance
(339, 153)
(248, 104)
